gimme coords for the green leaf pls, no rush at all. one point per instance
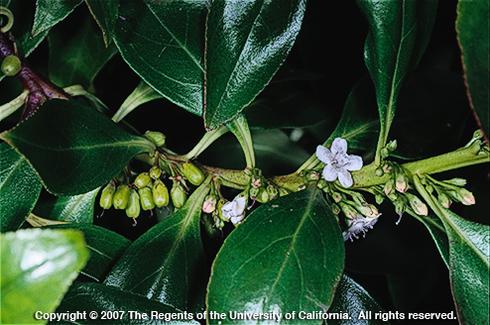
(19, 188)
(398, 35)
(141, 94)
(76, 58)
(38, 266)
(73, 147)
(105, 248)
(353, 299)
(469, 266)
(173, 270)
(473, 37)
(49, 13)
(288, 255)
(247, 41)
(105, 14)
(163, 42)
(438, 234)
(98, 297)
(357, 124)
(77, 208)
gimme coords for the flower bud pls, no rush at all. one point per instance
(385, 152)
(417, 205)
(392, 145)
(456, 181)
(368, 210)
(283, 191)
(388, 188)
(444, 200)
(193, 174)
(336, 196)
(178, 195)
(322, 184)
(155, 172)
(400, 206)
(11, 65)
(219, 208)
(335, 209)
(379, 198)
(209, 204)
(142, 180)
(312, 176)
(106, 196)
(387, 168)
(133, 209)
(263, 196)
(379, 172)
(253, 192)
(401, 183)
(466, 196)
(160, 194)
(121, 197)
(272, 191)
(158, 138)
(146, 198)
(349, 211)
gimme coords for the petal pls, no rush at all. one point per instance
(353, 162)
(345, 178)
(240, 204)
(339, 146)
(227, 210)
(237, 219)
(329, 173)
(324, 154)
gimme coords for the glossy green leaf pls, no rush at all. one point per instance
(105, 248)
(398, 35)
(98, 297)
(163, 42)
(469, 266)
(474, 36)
(76, 209)
(49, 13)
(288, 255)
(173, 269)
(353, 299)
(76, 58)
(19, 188)
(105, 14)
(247, 41)
(358, 125)
(74, 148)
(38, 266)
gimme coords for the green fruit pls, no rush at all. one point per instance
(121, 197)
(142, 180)
(155, 172)
(158, 138)
(105, 200)
(193, 174)
(133, 209)
(178, 195)
(11, 65)
(160, 194)
(263, 196)
(146, 198)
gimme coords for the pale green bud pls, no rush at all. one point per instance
(107, 195)
(142, 180)
(133, 209)
(121, 197)
(192, 173)
(146, 199)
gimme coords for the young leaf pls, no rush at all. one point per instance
(49, 13)
(98, 297)
(76, 209)
(105, 248)
(163, 42)
(399, 33)
(19, 188)
(469, 267)
(288, 255)
(73, 147)
(76, 58)
(173, 271)
(38, 266)
(247, 41)
(473, 37)
(353, 299)
(105, 14)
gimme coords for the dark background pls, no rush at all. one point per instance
(398, 265)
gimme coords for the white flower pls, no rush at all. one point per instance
(357, 226)
(235, 210)
(338, 164)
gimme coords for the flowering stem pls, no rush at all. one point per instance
(208, 138)
(140, 95)
(239, 127)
